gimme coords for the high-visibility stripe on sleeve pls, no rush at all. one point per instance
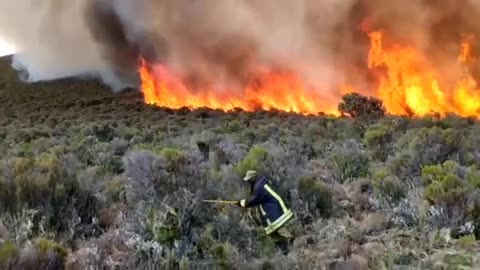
(243, 203)
(262, 211)
(276, 196)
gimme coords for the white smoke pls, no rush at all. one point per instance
(51, 40)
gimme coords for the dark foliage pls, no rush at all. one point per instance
(366, 110)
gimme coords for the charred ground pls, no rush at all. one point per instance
(89, 178)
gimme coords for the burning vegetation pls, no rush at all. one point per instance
(270, 90)
(409, 84)
(404, 78)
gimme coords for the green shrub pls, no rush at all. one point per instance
(252, 161)
(109, 162)
(176, 163)
(206, 241)
(104, 132)
(467, 241)
(378, 138)
(165, 234)
(432, 173)
(127, 133)
(457, 261)
(318, 194)
(222, 256)
(449, 190)
(115, 190)
(456, 122)
(171, 154)
(444, 184)
(33, 182)
(150, 147)
(264, 132)
(163, 224)
(389, 187)
(49, 184)
(314, 131)
(348, 163)
(232, 126)
(423, 147)
(8, 251)
(44, 245)
(473, 177)
(266, 246)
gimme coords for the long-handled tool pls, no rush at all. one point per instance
(220, 201)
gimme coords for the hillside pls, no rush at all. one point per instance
(90, 179)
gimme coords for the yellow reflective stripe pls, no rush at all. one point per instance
(263, 211)
(278, 223)
(242, 203)
(264, 214)
(273, 227)
(276, 196)
(280, 220)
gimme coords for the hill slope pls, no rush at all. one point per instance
(89, 178)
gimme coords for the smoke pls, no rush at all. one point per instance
(222, 44)
(51, 40)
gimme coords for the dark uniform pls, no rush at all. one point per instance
(274, 212)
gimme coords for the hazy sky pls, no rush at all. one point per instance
(5, 48)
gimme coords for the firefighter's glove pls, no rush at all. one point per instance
(241, 203)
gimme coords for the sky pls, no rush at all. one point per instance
(5, 49)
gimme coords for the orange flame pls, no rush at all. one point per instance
(407, 84)
(279, 91)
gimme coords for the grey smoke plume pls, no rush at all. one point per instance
(221, 44)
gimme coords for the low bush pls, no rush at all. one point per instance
(389, 187)
(252, 161)
(8, 253)
(348, 162)
(422, 147)
(446, 184)
(378, 139)
(319, 195)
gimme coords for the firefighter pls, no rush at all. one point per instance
(274, 211)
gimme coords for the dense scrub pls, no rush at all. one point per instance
(95, 180)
